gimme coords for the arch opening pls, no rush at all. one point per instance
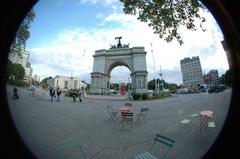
(120, 81)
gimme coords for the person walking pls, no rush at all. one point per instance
(15, 93)
(52, 93)
(74, 94)
(80, 95)
(58, 94)
(33, 89)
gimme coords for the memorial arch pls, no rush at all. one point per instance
(119, 55)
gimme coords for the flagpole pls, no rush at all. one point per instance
(154, 67)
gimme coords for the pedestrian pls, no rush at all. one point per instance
(52, 93)
(74, 94)
(58, 94)
(80, 95)
(84, 93)
(33, 89)
(15, 93)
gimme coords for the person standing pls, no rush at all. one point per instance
(80, 95)
(58, 94)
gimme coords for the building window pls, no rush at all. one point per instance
(65, 84)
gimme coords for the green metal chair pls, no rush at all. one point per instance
(166, 144)
(70, 143)
(142, 115)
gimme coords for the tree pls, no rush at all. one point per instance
(166, 16)
(229, 77)
(43, 83)
(22, 34)
(15, 69)
(151, 85)
(114, 86)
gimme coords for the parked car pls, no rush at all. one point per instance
(216, 89)
(213, 89)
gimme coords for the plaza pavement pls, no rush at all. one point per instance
(75, 130)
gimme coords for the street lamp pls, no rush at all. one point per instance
(160, 74)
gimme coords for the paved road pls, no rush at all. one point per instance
(73, 130)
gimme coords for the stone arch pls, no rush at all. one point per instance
(105, 60)
(115, 64)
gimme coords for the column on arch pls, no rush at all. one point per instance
(139, 82)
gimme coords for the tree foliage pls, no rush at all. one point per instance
(22, 34)
(170, 86)
(43, 83)
(114, 86)
(15, 69)
(166, 16)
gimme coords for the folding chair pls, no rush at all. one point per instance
(182, 118)
(166, 144)
(127, 117)
(142, 115)
(112, 114)
(128, 104)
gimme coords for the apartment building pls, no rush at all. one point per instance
(191, 71)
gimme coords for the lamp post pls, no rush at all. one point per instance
(161, 81)
(129, 91)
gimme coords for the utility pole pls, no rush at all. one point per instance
(154, 68)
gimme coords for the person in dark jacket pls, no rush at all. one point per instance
(58, 94)
(74, 95)
(52, 93)
(15, 93)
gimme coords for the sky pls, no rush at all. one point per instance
(66, 33)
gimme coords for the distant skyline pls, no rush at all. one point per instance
(65, 34)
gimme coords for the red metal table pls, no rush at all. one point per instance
(204, 118)
(125, 109)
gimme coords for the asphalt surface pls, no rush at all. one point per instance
(68, 129)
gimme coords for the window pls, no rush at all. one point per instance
(65, 84)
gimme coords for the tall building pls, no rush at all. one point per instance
(66, 82)
(227, 50)
(28, 72)
(191, 71)
(212, 78)
(23, 59)
(36, 78)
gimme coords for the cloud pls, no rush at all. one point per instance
(73, 49)
(103, 2)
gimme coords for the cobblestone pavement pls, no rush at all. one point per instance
(68, 129)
